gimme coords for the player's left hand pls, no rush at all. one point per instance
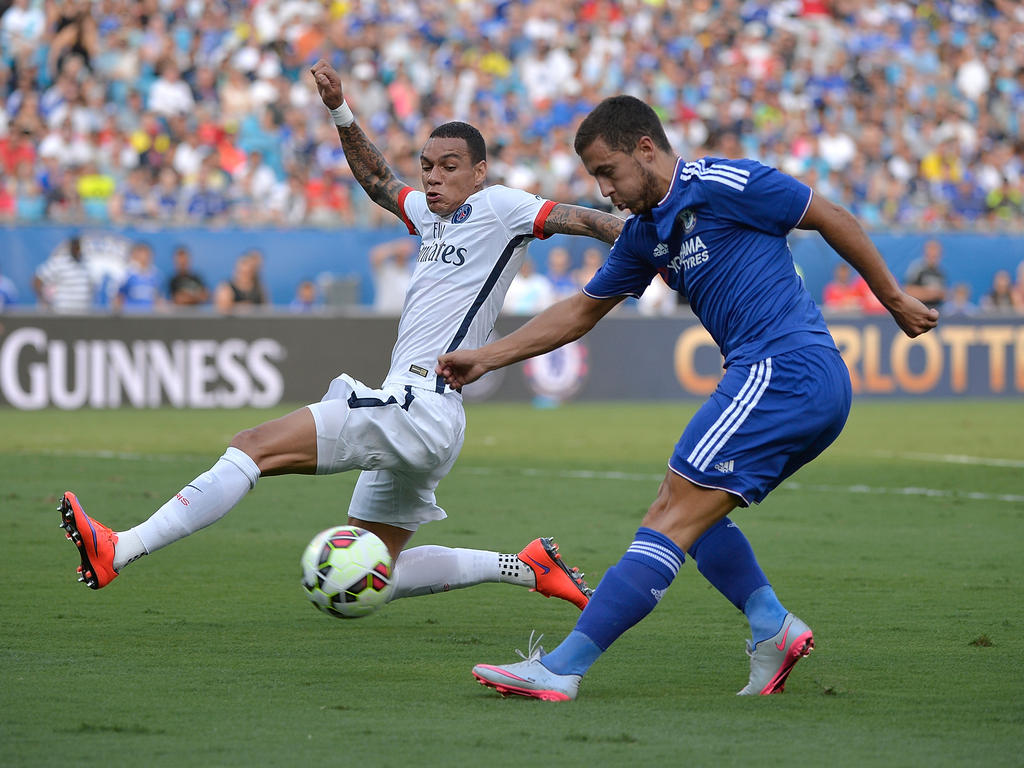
(913, 317)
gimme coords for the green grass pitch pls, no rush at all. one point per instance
(900, 546)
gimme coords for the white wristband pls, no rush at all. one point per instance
(343, 116)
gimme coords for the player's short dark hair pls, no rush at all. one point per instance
(473, 138)
(621, 121)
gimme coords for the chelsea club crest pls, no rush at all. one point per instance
(688, 219)
(462, 213)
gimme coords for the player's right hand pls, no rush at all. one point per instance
(328, 83)
(459, 368)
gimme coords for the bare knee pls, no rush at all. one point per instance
(281, 446)
(249, 441)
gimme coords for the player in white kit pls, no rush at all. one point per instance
(406, 435)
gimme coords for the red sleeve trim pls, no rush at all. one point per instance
(401, 210)
(542, 216)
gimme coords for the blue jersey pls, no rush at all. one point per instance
(719, 237)
(140, 290)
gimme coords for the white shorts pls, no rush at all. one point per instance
(404, 439)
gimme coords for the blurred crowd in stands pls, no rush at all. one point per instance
(202, 112)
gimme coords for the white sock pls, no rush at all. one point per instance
(203, 501)
(429, 569)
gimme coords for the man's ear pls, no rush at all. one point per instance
(645, 149)
(480, 172)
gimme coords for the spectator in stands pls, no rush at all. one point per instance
(244, 290)
(255, 255)
(529, 292)
(968, 202)
(1018, 289)
(129, 204)
(186, 288)
(392, 268)
(164, 201)
(926, 280)
(169, 94)
(959, 303)
(560, 274)
(29, 199)
(328, 202)
(8, 199)
(593, 258)
(76, 34)
(63, 282)
(22, 26)
(307, 298)
(208, 203)
(843, 293)
(140, 290)
(999, 299)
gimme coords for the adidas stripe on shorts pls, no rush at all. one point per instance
(765, 421)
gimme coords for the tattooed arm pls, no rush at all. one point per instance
(368, 165)
(575, 220)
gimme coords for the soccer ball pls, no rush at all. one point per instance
(347, 572)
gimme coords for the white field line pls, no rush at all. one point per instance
(789, 485)
(123, 455)
(951, 458)
(590, 474)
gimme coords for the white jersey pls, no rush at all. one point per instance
(466, 262)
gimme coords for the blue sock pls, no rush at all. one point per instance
(628, 592)
(765, 613)
(724, 558)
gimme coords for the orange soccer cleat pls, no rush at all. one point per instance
(554, 577)
(94, 540)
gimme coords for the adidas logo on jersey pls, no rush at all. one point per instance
(725, 467)
(660, 250)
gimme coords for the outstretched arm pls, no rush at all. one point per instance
(368, 165)
(576, 220)
(557, 325)
(846, 236)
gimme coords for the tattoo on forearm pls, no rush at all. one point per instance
(575, 220)
(370, 168)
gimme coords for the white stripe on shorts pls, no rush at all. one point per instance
(733, 416)
(726, 414)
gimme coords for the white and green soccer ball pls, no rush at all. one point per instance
(347, 572)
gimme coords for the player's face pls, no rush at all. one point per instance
(449, 175)
(624, 177)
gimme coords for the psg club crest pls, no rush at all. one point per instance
(462, 213)
(688, 219)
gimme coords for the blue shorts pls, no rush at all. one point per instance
(764, 422)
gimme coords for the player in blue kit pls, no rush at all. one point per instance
(715, 230)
